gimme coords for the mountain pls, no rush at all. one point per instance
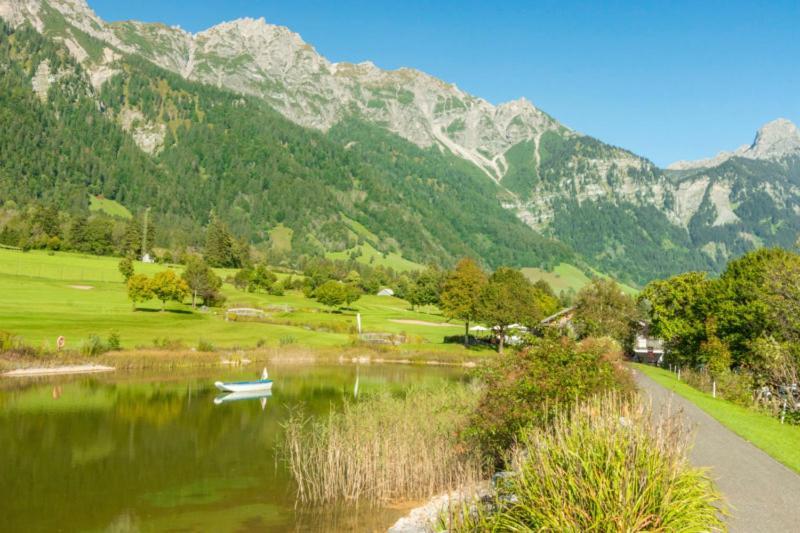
(147, 137)
(774, 141)
(450, 173)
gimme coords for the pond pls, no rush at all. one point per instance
(154, 452)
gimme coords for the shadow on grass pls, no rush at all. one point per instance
(171, 311)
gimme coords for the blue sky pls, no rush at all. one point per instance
(668, 80)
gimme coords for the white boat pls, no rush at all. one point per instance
(258, 385)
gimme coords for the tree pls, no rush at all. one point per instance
(753, 299)
(352, 293)
(139, 288)
(602, 309)
(677, 312)
(220, 248)
(261, 279)
(426, 288)
(331, 293)
(461, 293)
(167, 286)
(201, 280)
(508, 298)
(126, 268)
(242, 278)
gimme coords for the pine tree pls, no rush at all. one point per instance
(219, 250)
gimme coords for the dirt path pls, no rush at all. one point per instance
(763, 495)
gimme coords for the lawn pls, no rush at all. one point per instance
(44, 295)
(566, 276)
(764, 431)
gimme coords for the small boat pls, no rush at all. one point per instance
(246, 386)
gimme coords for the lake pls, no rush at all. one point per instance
(123, 452)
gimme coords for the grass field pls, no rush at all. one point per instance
(370, 256)
(44, 295)
(109, 207)
(566, 276)
(764, 431)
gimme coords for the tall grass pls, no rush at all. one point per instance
(604, 466)
(383, 448)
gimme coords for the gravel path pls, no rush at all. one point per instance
(762, 494)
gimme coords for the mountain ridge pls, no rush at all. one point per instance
(616, 209)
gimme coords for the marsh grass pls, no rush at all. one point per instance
(383, 448)
(604, 466)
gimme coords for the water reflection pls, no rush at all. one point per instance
(156, 452)
(261, 396)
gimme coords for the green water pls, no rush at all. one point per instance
(153, 452)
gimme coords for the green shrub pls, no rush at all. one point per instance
(531, 386)
(13, 344)
(114, 342)
(605, 466)
(169, 344)
(92, 346)
(286, 340)
(205, 346)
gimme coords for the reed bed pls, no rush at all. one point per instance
(383, 448)
(605, 466)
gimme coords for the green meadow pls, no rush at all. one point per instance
(566, 276)
(44, 295)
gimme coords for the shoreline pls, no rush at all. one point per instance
(12, 365)
(57, 371)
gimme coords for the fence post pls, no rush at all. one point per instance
(679, 373)
(713, 389)
(783, 412)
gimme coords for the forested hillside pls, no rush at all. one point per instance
(213, 150)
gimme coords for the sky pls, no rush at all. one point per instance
(666, 80)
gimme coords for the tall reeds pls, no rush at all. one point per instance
(383, 448)
(606, 465)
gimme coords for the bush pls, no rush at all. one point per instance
(12, 344)
(604, 466)
(205, 346)
(287, 340)
(92, 346)
(531, 386)
(169, 344)
(114, 342)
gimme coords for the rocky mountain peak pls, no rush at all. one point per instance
(774, 140)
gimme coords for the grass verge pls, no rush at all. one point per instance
(776, 439)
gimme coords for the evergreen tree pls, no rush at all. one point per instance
(219, 251)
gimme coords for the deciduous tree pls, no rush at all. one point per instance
(461, 293)
(602, 309)
(508, 298)
(139, 289)
(331, 293)
(201, 280)
(167, 286)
